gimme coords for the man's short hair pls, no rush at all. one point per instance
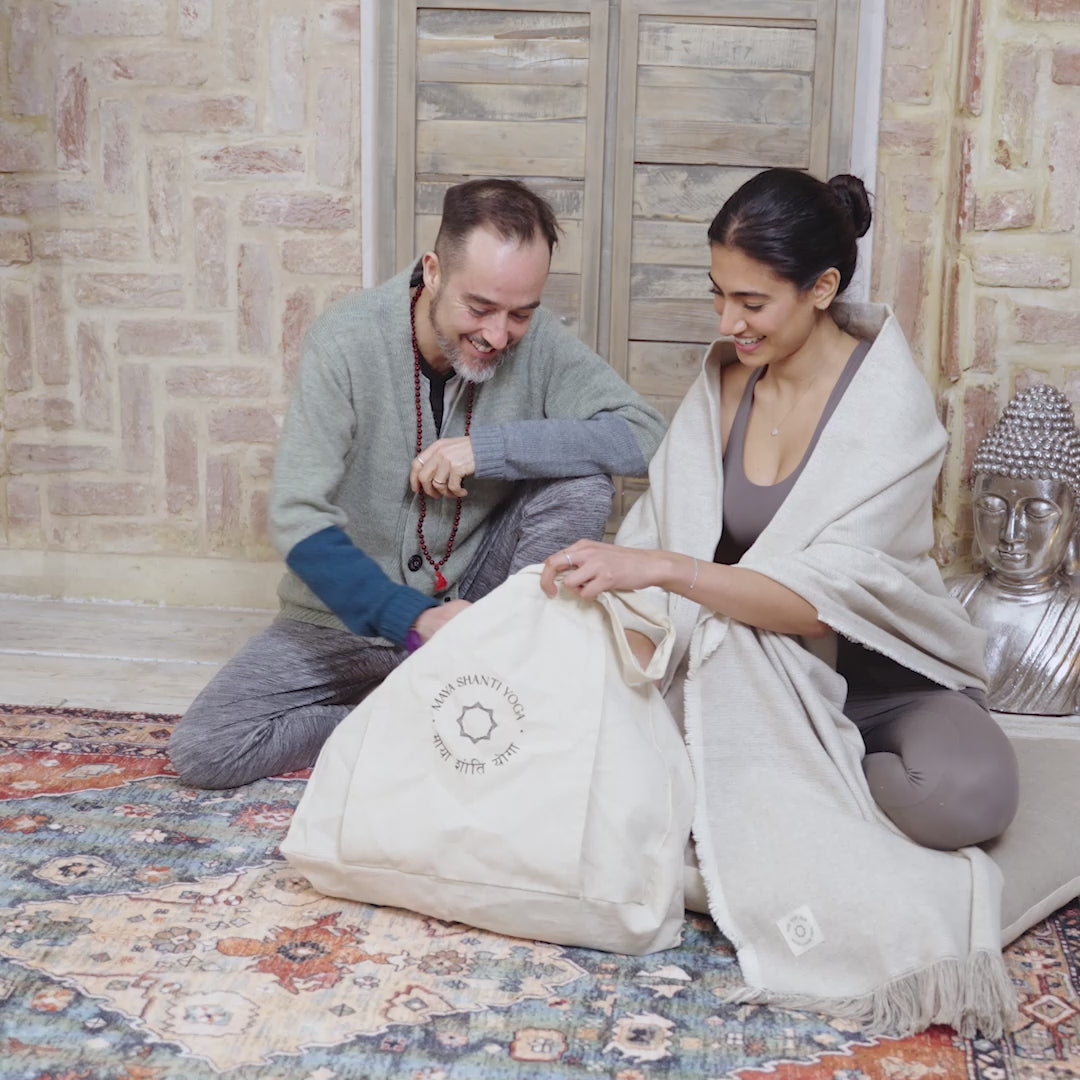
(507, 207)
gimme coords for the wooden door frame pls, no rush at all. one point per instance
(866, 123)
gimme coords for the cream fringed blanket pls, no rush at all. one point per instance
(829, 906)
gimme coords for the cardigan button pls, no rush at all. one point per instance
(415, 562)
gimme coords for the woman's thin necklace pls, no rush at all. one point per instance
(784, 419)
(440, 581)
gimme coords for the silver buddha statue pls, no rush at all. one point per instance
(1025, 500)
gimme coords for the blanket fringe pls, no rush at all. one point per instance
(973, 996)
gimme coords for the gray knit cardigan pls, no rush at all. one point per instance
(350, 434)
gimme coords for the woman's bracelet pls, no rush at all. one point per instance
(693, 580)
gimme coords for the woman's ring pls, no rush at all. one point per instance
(439, 483)
(566, 556)
(420, 459)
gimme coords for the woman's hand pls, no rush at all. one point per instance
(590, 568)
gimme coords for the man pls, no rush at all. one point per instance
(444, 431)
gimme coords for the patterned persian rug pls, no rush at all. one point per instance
(152, 932)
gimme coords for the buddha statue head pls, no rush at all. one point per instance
(1026, 491)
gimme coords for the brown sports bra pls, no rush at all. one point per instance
(749, 507)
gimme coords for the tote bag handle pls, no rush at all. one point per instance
(628, 611)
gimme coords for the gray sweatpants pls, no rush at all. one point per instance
(273, 705)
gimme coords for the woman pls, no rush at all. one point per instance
(787, 528)
(783, 251)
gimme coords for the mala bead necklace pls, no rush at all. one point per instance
(440, 580)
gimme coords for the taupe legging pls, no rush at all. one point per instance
(937, 764)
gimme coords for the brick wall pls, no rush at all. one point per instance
(179, 196)
(978, 195)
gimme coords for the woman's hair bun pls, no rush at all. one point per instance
(851, 192)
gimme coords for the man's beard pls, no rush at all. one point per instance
(470, 368)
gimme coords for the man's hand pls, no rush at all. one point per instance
(433, 619)
(440, 468)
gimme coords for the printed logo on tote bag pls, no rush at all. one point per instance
(478, 721)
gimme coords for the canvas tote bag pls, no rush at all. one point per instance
(520, 772)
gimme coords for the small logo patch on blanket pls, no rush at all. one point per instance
(800, 930)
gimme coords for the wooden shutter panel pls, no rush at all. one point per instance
(709, 92)
(487, 89)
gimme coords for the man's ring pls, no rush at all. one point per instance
(566, 556)
(420, 459)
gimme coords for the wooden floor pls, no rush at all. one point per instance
(114, 656)
(132, 657)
